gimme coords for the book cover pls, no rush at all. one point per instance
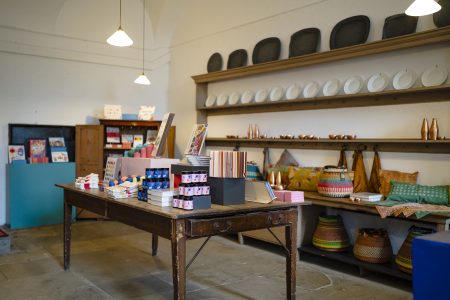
(197, 139)
(56, 142)
(127, 138)
(151, 136)
(163, 132)
(138, 140)
(112, 168)
(60, 156)
(37, 148)
(113, 135)
(16, 152)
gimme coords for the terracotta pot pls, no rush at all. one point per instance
(335, 182)
(404, 255)
(330, 234)
(373, 246)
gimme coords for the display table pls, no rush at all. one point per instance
(32, 198)
(179, 226)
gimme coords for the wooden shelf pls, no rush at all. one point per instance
(423, 38)
(386, 145)
(131, 123)
(392, 97)
(107, 148)
(348, 258)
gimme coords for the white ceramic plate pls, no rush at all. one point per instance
(377, 82)
(311, 90)
(222, 99)
(234, 98)
(261, 95)
(404, 79)
(353, 85)
(247, 97)
(210, 100)
(293, 92)
(434, 76)
(331, 87)
(276, 93)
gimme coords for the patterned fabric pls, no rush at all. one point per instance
(405, 192)
(253, 173)
(303, 178)
(374, 181)
(387, 176)
(360, 182)
(409, 209)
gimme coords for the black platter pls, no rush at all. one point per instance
(215, 63)
(305, 41)
(237, 58)
(266, 50)
(350, 31)
(442, 17)
(398, 25)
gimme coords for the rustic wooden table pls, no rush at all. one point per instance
(179, 226)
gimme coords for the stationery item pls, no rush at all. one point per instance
(138, 140)
(434, 76)
(404, 79)
(16, 153)
(146, 112)
(37, 148)
(377, 83)
(112, 168)
(112, 112)
(259, 191)
(56, 142)
(162, 134)
(198, 136)
(127, 139)
(113, 135)
(90, 181)
(59, 156)
(228, 164)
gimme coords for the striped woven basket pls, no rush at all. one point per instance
(334, 182)
(330, 234)
(373, 246)
(404, 255)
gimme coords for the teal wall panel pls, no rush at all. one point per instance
(33, 200)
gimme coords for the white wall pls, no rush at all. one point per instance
(56, 68)
(204, 31)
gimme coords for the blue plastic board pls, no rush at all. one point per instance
(32, 198)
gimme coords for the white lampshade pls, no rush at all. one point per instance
(422, 8)
(142, 79)
(120, 39)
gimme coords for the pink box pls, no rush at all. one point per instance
(279, 195)
(294, 196)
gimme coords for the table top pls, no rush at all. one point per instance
(175, 213)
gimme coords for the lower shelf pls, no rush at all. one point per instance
(348, 258)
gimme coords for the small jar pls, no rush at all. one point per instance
(149, 173)
(181, 201)
(203, 176)
(181, 189)
(175, 202)
(195, 176)
(158, 173)
(198, 189)
(189, 189)
(157, 184)
(165, 173)
(165, 183)
(186, 177)
(188, 203)
(205, 190)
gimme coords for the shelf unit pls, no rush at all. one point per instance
(386, 145)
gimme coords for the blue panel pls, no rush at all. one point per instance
(33, 199)
(431, 266)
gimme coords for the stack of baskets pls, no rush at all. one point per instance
(330, 234)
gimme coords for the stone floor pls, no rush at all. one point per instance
(113, 261)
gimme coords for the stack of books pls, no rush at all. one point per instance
(364, 196)
(123, 190)
(87, 182)
(58, 149)
(161, 198)
(37, 151)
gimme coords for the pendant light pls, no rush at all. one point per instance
(422, 8)
(142, 79)
(120, 38)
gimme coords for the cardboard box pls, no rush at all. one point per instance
(227, 191)
(201, 202)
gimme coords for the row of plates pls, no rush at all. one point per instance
(404, 79)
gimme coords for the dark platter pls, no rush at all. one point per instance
(398, 25)
(237, 58)
(305, 41)
(442, 17)
(350, 31)
(266, 50)
(215, 63)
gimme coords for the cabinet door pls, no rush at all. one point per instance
(89, 149)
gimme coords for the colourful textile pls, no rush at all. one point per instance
(386, 176)
(303, 178)
(374, 181)
(406, 192)
(360, 182)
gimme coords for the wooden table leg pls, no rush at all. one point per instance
(154, 244)
(178, 241)
(67, 233)
(291, 257)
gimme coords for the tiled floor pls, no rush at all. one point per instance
(112, 261)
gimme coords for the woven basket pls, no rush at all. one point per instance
(373, 246)
(330, 234)
(335, 182)
(404, 255)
